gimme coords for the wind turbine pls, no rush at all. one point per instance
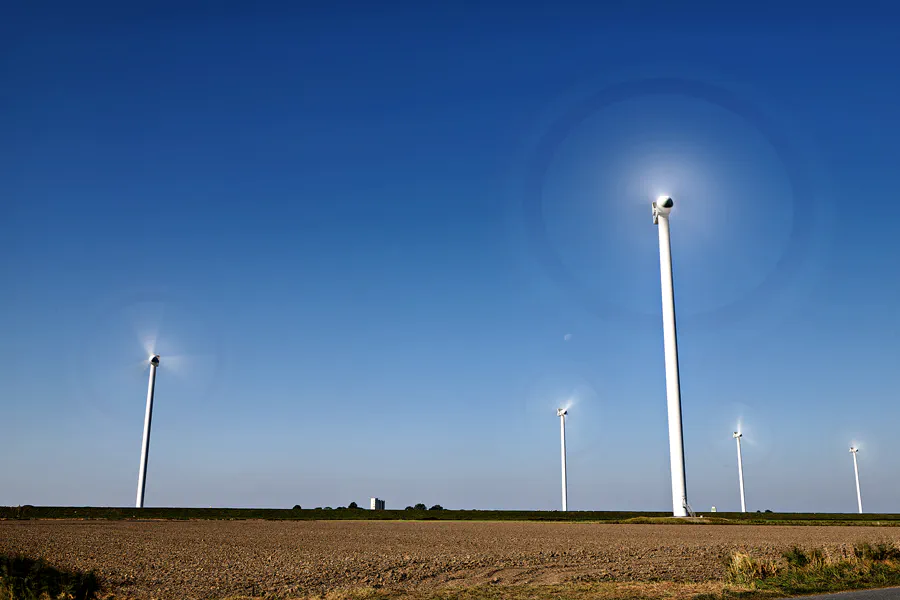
(680, 507)
(737, 436)
(561, 413)
(176, 364)
(853, 451)
(145, 444)
(160, 323)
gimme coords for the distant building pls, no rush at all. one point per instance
(377, 504)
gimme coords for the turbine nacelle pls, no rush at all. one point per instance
(737, 434)
(662, 207)
(561, 412)
(854, 450)
(154, 360)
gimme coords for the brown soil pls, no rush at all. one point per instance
(216, 559)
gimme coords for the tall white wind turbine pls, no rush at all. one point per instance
(680, 507)
(145, 444)
(561, 413)
(737, 437)
(853, 451)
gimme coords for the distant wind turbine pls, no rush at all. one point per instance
(853, 451)
(737, 436)
(561, 413)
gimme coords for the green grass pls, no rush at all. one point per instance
(23, 578)
(112, 513)
(814, 572)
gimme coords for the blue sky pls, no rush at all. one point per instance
(330, 215)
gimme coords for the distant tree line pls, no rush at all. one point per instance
(421, 506)
(354, 505)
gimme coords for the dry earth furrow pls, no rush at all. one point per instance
(215, 559)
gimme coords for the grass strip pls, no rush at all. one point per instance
(815, 571)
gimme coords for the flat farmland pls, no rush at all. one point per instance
(220, 559)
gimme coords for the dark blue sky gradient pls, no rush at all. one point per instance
(329, 212)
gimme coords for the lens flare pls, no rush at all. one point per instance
(124, 336)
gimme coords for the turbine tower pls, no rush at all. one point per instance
(737, 437)
(853, 451)
(145, 445)
(661, 209)
(561, 413)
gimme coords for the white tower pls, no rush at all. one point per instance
(561, 413)
(145, 445)
(661, 209)
(737, 437)
(853, 451)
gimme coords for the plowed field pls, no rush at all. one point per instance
(218, 559)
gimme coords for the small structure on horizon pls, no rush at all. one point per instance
(377, 504)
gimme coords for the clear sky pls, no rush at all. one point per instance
(388, 242)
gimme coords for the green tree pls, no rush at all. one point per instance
(436, 507)
(420, 506)
(353, 505)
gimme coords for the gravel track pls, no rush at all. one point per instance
(216, 559)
